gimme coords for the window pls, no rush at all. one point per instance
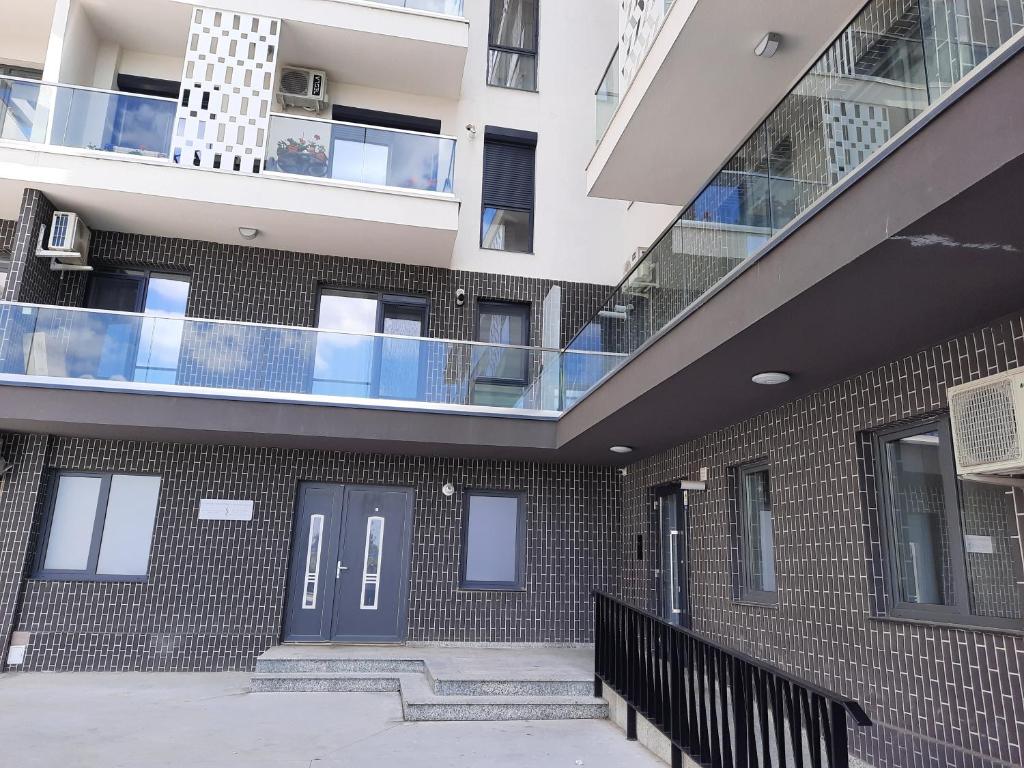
(99, 527)
(500, 374)
(508, 193)
(512, 51)
(359, 363)
(493, 541)
(134, 349)
(951, 545)
(756, 535)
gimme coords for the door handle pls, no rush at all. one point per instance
(341, 568)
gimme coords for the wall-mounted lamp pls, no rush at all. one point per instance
(768, 45)
(448, 490)
(248, 233)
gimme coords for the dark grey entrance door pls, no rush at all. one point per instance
(350, 564)
(673, 570)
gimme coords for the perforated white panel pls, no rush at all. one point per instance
(853, 131)
(639, 22)
(226, 91)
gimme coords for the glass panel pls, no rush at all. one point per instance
(492, 540)
(362, 154)
(448, 7)
(71, 529)
(994, 581)
(113, 122)
(400, 359)
(507, 230)
(22, 114)
(918, 508)
(514, 24)
(344, 362)
(508, 69)
(607, 95)
(160, 342)
(128, 526)
(372, 563)
(673, 569)
(311, 581)
(758, 549)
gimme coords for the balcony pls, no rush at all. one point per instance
(692, 88)
(346, 386)
(328, 187)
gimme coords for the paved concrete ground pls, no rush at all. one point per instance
(208, 720)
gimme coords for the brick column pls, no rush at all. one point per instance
(20, 491)
(31, 279)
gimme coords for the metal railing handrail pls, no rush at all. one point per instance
(106, 91)
(850, 705)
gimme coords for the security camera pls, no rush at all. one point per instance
(460, 297)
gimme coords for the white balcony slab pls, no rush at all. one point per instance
(701, 91)
(131, 194)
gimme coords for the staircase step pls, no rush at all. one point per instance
(323, 665)
(323, 682)
(574, 688)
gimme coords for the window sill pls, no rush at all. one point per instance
(513, 88)
(951, 624)
(66, 577)
(489, 588)
(504, 250)
(748, 603)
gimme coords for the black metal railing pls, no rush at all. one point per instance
(720, 707)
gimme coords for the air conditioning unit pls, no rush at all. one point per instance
(987, 417)
(643, 274)
(68, 243)
(301, 87)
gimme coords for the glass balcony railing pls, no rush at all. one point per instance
(888, 66)
(85, 118)
(125, 124)
(305, 146)
(447, 7)
(139, 352)
(607, 95)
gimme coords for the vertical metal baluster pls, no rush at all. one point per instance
(814, 730)
(716, 743)
(796, 726)
(726, 688)
(779, 713)
(765, 708)
(840, 752)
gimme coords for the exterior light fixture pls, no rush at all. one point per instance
(768, 45)
(248, 233)
(448, 489)
(769, 378)
(621, 449)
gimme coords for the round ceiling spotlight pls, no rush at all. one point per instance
(621, 449)
(770, 378)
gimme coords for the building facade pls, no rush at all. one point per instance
(341, 342)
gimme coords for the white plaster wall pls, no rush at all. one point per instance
(152, 65)
(575, 237)
(80, 47)
(25, 32)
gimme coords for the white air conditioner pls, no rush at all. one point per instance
(301, 87)
(987, 418)
(68, 244)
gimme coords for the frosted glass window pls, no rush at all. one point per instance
(128, 528)
(73, 522)
(101, 527)
(492, 542)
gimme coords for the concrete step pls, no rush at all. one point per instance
(450, 687)
(324, 682)
(421, 703)
(328, 665)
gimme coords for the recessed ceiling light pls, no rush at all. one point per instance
(621, 449)
(768, 45)
(771, 377)
(248, 233)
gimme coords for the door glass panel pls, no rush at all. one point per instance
(128, 526)
(673, 569)
(918, 507)
(758, 533)
(74, 515)
(360, 161)
(371, 563)
(400, 358)
(312, 573)
(160, 340)
(344, 361)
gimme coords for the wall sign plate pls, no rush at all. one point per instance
(225, 509)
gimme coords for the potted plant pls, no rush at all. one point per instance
(302, 156)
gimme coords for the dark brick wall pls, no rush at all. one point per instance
(30, 279)
(931, 688)
(216, 590)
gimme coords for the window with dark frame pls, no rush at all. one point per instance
(99, 527)
(756, 535)
(493, 541)
(501, 372)
(509, 181)
(512, 44)
(950, 543)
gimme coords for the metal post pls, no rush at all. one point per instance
(630, 724)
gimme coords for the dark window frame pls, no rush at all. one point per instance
(535, 53)
(958, 614)
(742, 593)
(525, 309)
(142, 275)
(519, 584)
(514, 137)
(41, 573)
